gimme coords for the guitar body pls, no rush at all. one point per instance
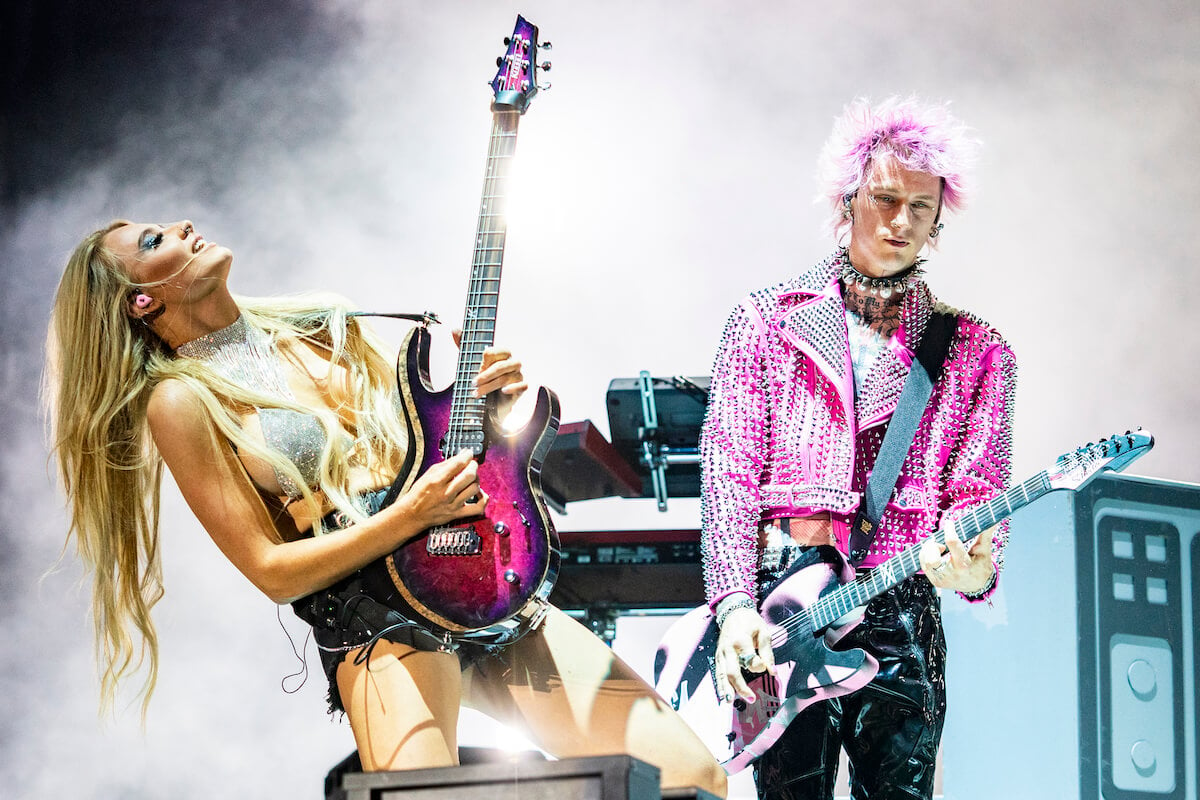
(808, 667)
(467, 578)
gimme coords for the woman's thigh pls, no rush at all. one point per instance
(572, 696)
(403, 706)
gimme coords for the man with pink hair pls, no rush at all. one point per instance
(805, 381)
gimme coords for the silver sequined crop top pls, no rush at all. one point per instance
(246, 356)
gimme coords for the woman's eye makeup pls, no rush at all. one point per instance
(150, 241)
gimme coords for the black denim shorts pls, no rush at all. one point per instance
(345, 617)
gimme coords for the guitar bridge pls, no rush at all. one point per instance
(453, 542)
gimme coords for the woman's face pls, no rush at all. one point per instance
(171, 262)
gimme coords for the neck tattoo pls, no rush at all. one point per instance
(877, 302)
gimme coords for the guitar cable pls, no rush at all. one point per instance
(301, 673)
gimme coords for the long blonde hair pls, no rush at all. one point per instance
(102, 366)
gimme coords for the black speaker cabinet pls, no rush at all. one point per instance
(1137, 640)
(1081, 681)
(688, 793)
(601, 778)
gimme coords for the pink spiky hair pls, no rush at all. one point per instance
(921, 136)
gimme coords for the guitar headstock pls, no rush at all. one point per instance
(1115, 453)
(516, 83)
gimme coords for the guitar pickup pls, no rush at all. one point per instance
(453, 542)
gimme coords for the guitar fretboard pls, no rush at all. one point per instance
(483, 293)
(906, 563)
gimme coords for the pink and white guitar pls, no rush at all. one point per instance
(816, 605)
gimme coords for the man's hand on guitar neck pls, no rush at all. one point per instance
(744, 644)
(961, 568)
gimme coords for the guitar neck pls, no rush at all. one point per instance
(483, 292)
(907, 562)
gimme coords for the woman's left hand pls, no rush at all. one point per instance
(956, 566)
(498, 372)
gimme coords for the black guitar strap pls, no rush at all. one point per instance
(897, 440)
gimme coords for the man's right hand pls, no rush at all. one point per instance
(744, 643)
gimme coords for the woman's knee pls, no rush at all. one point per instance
(710, 777)
(402, 705)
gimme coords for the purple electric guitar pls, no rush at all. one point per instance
(487, 577)
(815, 605)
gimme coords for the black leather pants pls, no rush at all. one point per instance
(890, 729)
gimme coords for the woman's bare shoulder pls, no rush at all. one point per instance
(174, 405)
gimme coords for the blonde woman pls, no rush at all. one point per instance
(278, 422)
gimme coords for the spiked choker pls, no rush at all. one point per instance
(883, 287)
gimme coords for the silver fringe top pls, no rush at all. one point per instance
(246, 356)
(242, 354)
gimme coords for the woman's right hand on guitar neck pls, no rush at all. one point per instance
(744, 644)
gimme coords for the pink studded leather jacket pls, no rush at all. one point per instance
(784, 437)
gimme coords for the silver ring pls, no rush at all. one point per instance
(941, 566)
(744, 659)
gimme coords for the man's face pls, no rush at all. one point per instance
(893, 215)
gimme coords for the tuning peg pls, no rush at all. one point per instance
(546, 46)
(544, 86)
(499, 61)
(507, 41)
(546, 66)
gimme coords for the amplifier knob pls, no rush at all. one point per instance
(1142, 755)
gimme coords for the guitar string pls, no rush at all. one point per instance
(846, 598)
(486, 231)
(466, 411)
(479, 329)
(1081, 461)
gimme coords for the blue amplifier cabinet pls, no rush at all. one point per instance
(1080, 681)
